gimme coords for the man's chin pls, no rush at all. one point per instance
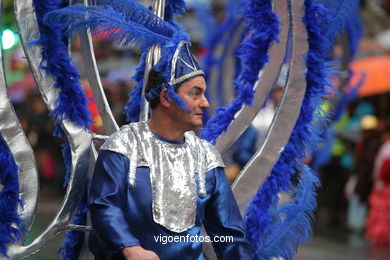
(196, 126)
(199, 123)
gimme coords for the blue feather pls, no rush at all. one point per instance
(292, 220)
(323, 153)
(175, 97)
(71, 103)
(107, 22)
(133, 106)
(353, 91)
(11, 223)
(304, 137)
(253, 55)
(341, 12)
(163, 66)
(133, 11)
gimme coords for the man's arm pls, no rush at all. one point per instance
(222, 218)
(107, 197)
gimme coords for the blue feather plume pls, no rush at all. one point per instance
(341, 11)
(292, 219)
(354, 28)
(133, 106)
(323, 153)
(71, 103)
(303, 139)
(11, 223)
(163, 66)
(133, 11)
(108, 23)
(264, 27)
(353, 91)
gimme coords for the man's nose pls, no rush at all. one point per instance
(204, 103)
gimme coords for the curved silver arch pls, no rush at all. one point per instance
(109, 124)
(267, 78)
(16, 140)
(245, 116)
(258, 168)
(79, 139)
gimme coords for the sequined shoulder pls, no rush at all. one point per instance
(212, 157)
(121, 141)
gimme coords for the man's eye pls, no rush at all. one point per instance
(195, 93)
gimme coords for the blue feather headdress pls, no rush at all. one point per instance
(128, 23)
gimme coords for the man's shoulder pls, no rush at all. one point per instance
(211, 155)
(122, 140)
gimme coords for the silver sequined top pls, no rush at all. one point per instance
(174, 169)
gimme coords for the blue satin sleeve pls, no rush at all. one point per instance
(223, 218)
(106, 198)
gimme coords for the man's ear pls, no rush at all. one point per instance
(164, 100)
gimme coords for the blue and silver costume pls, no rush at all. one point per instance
(145, 187)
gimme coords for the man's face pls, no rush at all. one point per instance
(192, 92)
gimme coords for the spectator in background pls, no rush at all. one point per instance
(378, 221)
(366, 151)
(360, 182)
(39, 127)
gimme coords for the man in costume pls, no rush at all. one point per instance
(156, 181)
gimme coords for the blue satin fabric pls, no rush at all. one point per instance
(122, 217)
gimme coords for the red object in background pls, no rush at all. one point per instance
(48, 170)
(96, 126)
(378, 220)
(377, 79)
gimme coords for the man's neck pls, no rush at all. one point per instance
(164, 127)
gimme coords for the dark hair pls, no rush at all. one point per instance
(154, 79)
